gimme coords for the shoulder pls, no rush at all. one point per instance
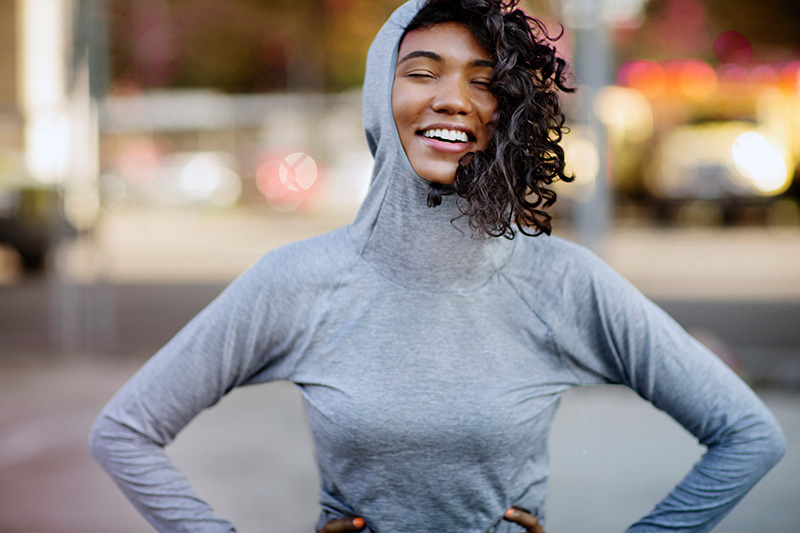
(293, 278)
(279, 294)
(319, 260)
(571, 286)
(554, 262)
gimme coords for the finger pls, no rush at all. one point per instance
(525, 519)
(342, 525)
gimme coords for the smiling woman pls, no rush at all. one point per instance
(441, 100)
(432, 353)
(499, 75)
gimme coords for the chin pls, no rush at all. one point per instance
(443, 175)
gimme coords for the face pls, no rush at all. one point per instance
(440, 98)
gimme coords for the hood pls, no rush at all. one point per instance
(421, 247)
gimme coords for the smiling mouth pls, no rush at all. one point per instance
(445, 135)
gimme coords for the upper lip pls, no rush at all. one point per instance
(449, 126)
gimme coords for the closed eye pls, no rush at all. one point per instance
(419, 75)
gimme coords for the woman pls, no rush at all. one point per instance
(430, 352)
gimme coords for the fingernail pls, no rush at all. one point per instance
(510, 512)
(358, 522)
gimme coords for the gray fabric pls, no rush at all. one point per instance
(431, 365)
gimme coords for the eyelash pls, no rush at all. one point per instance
(426, 75)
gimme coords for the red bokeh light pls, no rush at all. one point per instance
(733, 47)
(287, 180)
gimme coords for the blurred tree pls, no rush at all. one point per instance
(352, 25)
(766, 23)
(689, 28)
(243, 46)
(669, 29)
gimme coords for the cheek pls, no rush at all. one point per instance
(487, 116)
(395, 104)
(401, 117)
(488, 110)
(409, 102)
(402, 110)
(399, 103)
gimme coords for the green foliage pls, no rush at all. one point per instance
(688, 28)
(766, 23)
(243, 46)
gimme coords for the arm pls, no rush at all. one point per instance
(226, 345)
(630, 340)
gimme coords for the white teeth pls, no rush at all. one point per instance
(447, 135)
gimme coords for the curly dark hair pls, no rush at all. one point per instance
(508, 183)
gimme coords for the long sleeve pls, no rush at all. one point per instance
(228, 344)
(620, 336)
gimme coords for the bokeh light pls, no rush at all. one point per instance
(647, 77)
(761, 161)
(625, 112)
(733, 47)
(138, 160)
(286, 182)
(207, 177)
(697, 80)
(583, 162)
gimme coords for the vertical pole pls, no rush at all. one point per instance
(592, 67)
(89, 93)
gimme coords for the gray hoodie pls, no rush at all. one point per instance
(431, 365)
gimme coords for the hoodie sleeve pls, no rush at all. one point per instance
(230, 343)
(619, 336)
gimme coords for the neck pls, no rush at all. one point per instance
(417, 246)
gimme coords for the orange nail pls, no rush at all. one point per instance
(510, 512)
(358, 522)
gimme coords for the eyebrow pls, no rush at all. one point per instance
(436, 57)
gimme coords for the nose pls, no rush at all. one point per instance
(452, 97)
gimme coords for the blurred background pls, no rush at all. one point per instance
(151, 150)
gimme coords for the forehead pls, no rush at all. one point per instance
(448, 39)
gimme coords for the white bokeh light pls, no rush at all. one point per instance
(760, 161)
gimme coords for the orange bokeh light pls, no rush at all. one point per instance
(790, 77)
(693, 79)
(647, 77)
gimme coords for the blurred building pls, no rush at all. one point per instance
(708, 141)
(11, 118)
(702, 120)
(208, 149)
(48, 121)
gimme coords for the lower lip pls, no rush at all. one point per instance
(442, 146)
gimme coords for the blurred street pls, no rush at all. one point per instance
(183, 140)
(69, 339)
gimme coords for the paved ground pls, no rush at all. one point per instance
(613, 455)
